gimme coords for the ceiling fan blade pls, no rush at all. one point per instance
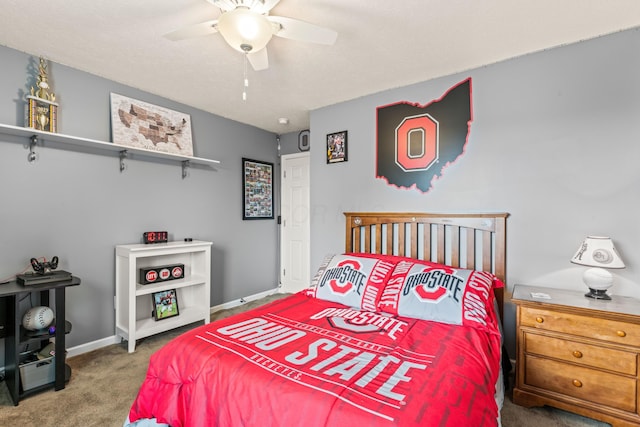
(191, 31)
(295, 29)
(264, 6)
(259, 60)
(225, 5)
(258, 6)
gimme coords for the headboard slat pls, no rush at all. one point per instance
(378, 239)
(413, 240)
(471, 249)
(401, 242)
(426, 244)
(389, 243)
(367, 240)
(455, 246)
(440, 252)
(486, 252)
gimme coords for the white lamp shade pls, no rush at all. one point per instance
(244, 30)
(598, 251)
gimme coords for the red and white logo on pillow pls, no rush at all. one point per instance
(344, 278)
(432, 285)
(426, 294)
(439, 293)
(351, 280)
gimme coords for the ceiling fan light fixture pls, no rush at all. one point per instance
(244, 30)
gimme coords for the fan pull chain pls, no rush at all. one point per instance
(246, 79)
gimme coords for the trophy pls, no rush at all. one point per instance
(42, 110)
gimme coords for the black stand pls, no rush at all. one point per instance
(597, 294)
(11, 293)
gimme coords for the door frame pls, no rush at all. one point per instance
(283, 160)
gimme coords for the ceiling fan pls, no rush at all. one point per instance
(247, 27)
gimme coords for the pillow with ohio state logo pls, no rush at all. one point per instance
(441, 293)
(352, 280)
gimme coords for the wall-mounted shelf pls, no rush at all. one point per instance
(86, 144)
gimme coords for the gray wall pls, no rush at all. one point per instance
(555, 142)
(78, 206)
(289, 143)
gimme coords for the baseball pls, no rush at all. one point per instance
(37, 318)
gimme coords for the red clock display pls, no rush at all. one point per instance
(155, 237)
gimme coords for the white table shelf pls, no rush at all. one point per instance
(133, 301)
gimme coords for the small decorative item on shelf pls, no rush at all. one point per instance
(161, 274)
(37, 318)
(155, 237)
(165, 304)
(42, 110)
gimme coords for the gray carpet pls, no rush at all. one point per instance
(105, 382)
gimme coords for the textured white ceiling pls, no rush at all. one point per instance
(381, 45)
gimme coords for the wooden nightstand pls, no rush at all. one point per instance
(578, 354)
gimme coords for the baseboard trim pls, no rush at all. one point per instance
(115, 339)
(241, 301)
(93, 345)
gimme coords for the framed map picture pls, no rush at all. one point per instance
(257, 185)
(138, 124)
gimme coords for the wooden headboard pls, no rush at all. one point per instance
(472, 241)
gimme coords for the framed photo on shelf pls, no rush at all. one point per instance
(337, 147)
(257, 187)
(165, 304)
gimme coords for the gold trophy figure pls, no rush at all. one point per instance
(42, 110)
(42, 119)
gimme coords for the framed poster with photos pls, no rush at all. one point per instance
(165, 304)
(337, 147)
(257, 187)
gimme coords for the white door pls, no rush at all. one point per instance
(296, 219)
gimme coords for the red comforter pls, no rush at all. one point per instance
(301, 361)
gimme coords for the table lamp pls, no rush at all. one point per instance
(597, 252)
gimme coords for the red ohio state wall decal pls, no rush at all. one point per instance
(415, 143)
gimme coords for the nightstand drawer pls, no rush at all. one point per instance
(585, 354)
(604, 329)
(594, 386)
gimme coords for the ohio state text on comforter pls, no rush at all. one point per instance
(301, 361)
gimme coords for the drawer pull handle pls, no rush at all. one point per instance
(621, 334)
(577, 354)
(539, 319)
(577, 383)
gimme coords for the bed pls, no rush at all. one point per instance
(401, 329)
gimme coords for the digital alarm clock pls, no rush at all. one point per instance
(155, 237)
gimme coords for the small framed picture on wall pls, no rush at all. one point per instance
(303, 140)
(337, 147)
